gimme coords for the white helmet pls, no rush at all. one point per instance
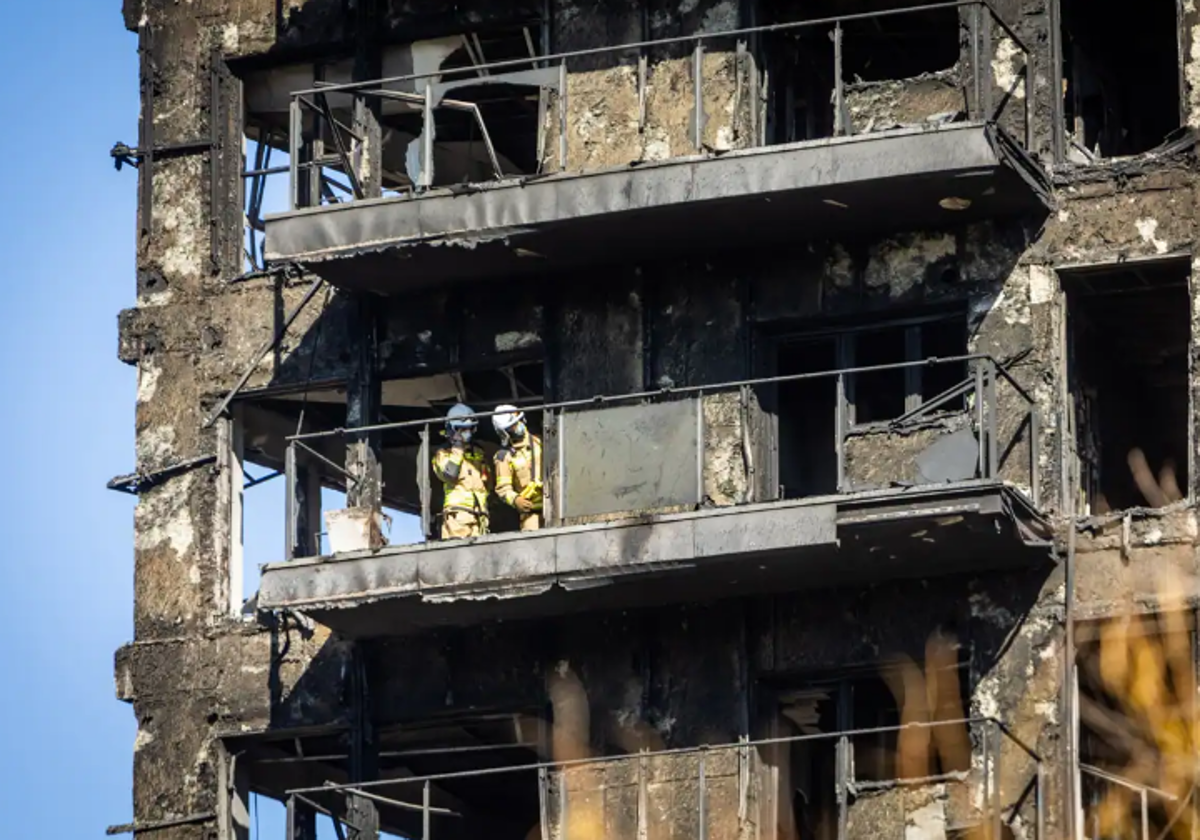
(506, 417)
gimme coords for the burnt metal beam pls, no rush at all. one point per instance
(137, 482)
(159, 825)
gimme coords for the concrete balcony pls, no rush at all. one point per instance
(906, 178)
(823, 542)
(633, 518)
(472, 197)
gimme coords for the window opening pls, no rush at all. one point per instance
(800, 64)
(1121, 92)
(807, 434)
(1130, 334)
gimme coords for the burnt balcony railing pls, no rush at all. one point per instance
(333, 158)
(703, 792)
(680, 449)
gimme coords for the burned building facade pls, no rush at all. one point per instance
(860, 340)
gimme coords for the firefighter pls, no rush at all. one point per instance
(463, 470)
(519, 466)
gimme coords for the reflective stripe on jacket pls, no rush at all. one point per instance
(517, 466)
(469, 490)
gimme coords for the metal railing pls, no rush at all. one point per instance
(971, 406)
(315, 128)
(719, 777)
(1141, 796)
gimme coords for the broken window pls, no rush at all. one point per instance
(1121, 86)
(876, 54)
(1130, 329)
(863, 699)
(808, 444)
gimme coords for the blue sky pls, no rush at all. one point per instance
(68, 73)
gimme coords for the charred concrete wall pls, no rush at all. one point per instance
(194, 674)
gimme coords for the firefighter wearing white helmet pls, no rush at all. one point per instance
(519, 466)
(462, 468)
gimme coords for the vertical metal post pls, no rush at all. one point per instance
(563, 819)
(979, 419)
(423, 482)
(977, 77)
(702, 805)
(700, 448)
(1035, 448)
(427, 132)
(643, 805)
(985, 64)
(562, 115)
(1145, 816)
(839, 92)
(993, 417)
(426, 834)
(295, 140)
(560, 478)
(543, 801)
(839, 423)
(1040, 802)
(698, 95)
(842, 761)
(290, 515)
(1029, 79)
(998, 809)
(986, 781)
(291, 818)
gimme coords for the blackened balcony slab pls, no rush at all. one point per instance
(907, 179)
(706, 554)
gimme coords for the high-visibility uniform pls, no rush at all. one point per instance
(519, 473)
(465, 503)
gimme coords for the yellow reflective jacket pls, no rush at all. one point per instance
(469, 490)
(519, 471)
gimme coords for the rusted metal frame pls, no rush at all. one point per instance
(261, 353)
(159, 825)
